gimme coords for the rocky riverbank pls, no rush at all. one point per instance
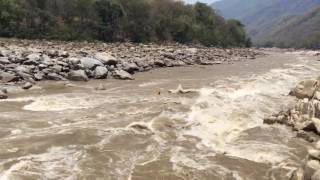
(24, 62)
(304, 118)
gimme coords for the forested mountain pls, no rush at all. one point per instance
(119, 20)
(266, 19)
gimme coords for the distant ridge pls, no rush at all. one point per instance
(284, 23)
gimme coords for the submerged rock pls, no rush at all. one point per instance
(101, 87)
(27, 85)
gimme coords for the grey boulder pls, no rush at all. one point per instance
(100, 72)
(305, 89)
(121, 74)
(107, 59)
(130, 67)
(55, 77)
(90, 63)
(27, 85)
(78, 75)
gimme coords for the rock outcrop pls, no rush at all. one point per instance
(304, 118)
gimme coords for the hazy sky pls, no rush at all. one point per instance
(205, 1)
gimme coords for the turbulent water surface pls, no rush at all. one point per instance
(137, 130)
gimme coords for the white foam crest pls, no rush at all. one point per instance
(151, 83)
(197, 161)
(56, 163)
(221, 114)
(63, 102)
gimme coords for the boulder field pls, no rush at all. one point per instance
(24, 62)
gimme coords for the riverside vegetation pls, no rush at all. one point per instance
(119, 20)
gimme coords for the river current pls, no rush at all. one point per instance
(137, 130)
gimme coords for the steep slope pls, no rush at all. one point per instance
(296, 31)
(261, 17)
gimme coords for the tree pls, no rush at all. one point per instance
(110, 13)
(119, 20)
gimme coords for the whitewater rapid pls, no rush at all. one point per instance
(137, 130)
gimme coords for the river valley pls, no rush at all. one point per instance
(138, 130)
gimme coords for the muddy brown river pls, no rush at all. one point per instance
(136, 130)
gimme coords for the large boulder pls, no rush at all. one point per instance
(32, 59)
(78, 75)
(121, 74)
(73, 61)
(24, 69)
(27, 85)
(130, 67)
(90, 63)
(107, 59)
(100, 72)
(25, 76)
(305, 89)
(39, 76)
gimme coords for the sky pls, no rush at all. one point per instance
(204, 1)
